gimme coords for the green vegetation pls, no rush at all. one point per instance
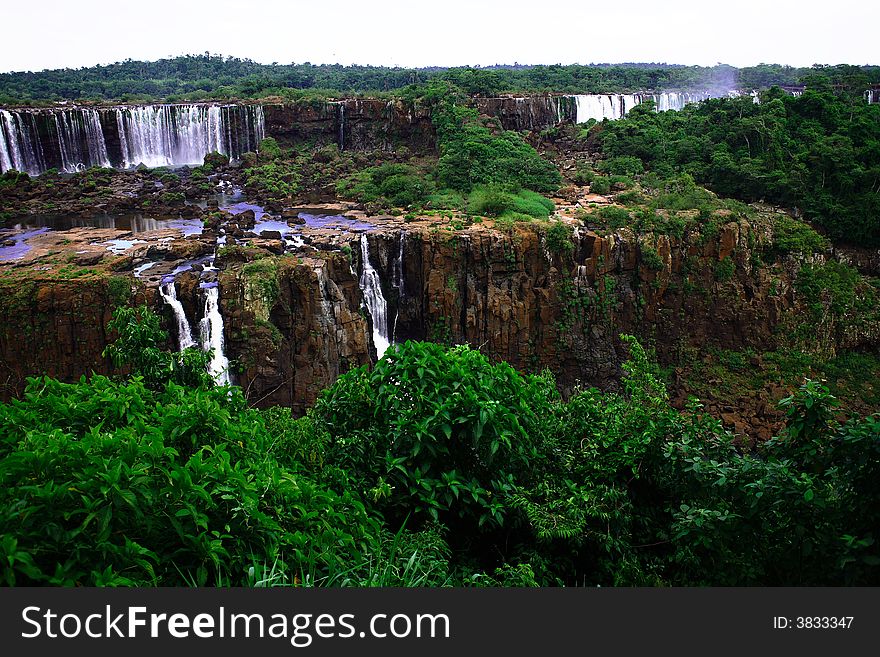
(478, 172)
(274, 181)
(793, 236)
(140, 348)
(435, 468)
(201, 77)
(838, 300)
(817, 152)
(559, 238)
(269, 149)
(498, 201)
(471, 155)
(388, 185)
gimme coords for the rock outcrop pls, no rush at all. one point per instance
(352, 124)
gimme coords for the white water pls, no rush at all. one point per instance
(80, 140)
(398, 273)
(166, 135)
(184, 333)
(211, 332)
(72, 139)
(341, 119)
(615, 106)
(375, 302)
(21, 147)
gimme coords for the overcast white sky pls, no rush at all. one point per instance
(72, 33)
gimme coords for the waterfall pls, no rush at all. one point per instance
(398, 273)
(372, 288)
(211, 333)
(340, 117)
(615, 106)
(72, 139)
(184, 333)
(22, 148)
(6, 162)
(80, 139)
(167, 135)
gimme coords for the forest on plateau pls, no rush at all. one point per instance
(207, 76)
(714, 270)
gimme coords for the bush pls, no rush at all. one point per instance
(447, 199)
(559, 238)
(600, 185)
(109, 484)
(470, 155)
(273, 181)
(725, 269)
(437, 433)
(269, 149)
(139, 348)
(496, 200)
(622, 166)
(390, 185)
(792, 236)
(614, 217)
(216, 159)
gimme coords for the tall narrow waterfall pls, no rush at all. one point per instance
(72, 139)
(340, 118)
(372, 288)
(184, 333)
(211, 333)
(399, 284)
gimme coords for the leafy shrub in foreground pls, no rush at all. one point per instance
(109, 483)
(436, 432)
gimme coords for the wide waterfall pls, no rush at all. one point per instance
(372, 289)
(184, 333)
(615, 106)
(211, 333)
(72, 139)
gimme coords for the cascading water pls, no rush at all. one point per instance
(22, 148)
(398, 273)
(184, 333)
(80, 139)
(372, 289)
(615, 106)
(340, 117)
(211, 333)
(72, 139)
(169, 135)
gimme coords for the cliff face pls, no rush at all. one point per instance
(51, 327)
(528, 113)
(509, 296)
(352, 124)
(294, 323)
(368, 124)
